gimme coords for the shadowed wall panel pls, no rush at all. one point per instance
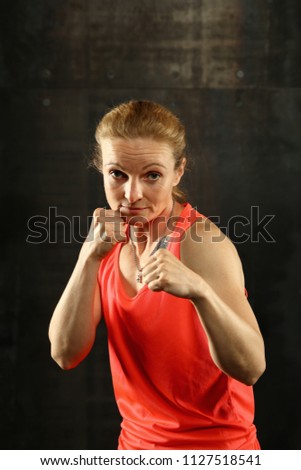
(230, 71)
(179, 44)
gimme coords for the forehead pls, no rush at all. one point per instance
(142, 148)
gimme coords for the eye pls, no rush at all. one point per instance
(153, 176)
(117, 174)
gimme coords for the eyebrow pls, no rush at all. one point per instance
(144, 168)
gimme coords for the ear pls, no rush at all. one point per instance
(179, 172)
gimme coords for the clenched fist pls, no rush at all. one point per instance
(107, 229)
(165, 272)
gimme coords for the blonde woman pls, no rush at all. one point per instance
(185, 347)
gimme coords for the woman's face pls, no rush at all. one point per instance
(139, 176)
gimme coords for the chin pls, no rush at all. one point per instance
(136, 220)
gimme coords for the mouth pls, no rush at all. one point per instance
(133, 210)
(134, 215)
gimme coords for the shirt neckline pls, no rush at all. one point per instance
(119, 283)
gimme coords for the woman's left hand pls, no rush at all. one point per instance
(165, 272)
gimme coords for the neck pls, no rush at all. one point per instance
(144, 236)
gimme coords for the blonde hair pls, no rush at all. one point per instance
(147, 119)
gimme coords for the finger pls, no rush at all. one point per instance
(105, 237)
(112, 225)
(110, 216)
(149, 265)
(94, 228)
(116, 232)
(150, 276)
(157, 271)
(97, 211)
(155, 285)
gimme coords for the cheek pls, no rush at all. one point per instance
(110, 191)
(110, 185)
(170, 183)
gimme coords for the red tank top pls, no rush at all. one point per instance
(169, 392)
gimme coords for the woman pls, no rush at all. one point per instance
(185, 347)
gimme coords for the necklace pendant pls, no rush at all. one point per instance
(139, 277)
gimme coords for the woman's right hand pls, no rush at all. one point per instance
(107, 229)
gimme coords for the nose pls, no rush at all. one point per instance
(133, 191)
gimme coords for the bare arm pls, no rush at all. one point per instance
(211, 276)
(235, 341)
(73, 325)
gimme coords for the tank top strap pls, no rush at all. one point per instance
(183, 222)
(180, 225)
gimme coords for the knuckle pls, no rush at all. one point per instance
(161, 266)
(163, 282)
(154, 286)
(97, 212)
(104, 236)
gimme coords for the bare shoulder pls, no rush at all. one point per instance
(209, 252)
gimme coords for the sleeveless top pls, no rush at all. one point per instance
(169, 392)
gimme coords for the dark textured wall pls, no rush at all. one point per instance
(231, 71)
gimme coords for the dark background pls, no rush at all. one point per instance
(230, 69)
